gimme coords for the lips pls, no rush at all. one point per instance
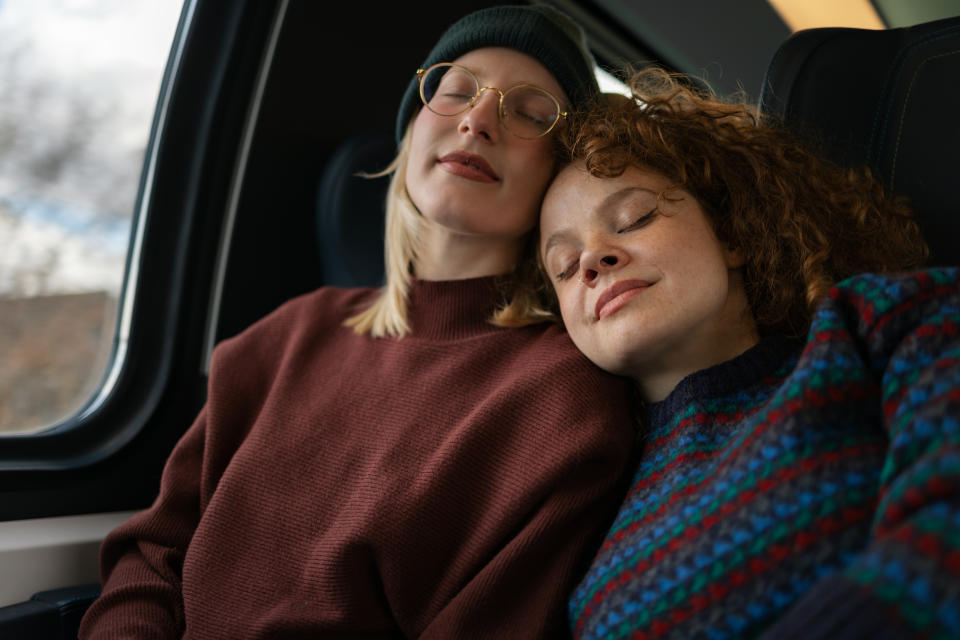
(469, 165)
(618, 295)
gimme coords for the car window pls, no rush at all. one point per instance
(79, 81)
(609, 83)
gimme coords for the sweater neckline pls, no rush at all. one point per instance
(762, 361)
(452, 309)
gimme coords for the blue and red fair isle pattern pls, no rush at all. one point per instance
(800, 490)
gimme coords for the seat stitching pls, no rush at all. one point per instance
(946, 32)
(903, 112)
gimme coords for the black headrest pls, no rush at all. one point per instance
(351, 210)
(887, 99)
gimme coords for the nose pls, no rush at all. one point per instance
(603, 259)
(482, 119)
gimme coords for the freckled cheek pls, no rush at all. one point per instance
(571, 311)
(683, 256)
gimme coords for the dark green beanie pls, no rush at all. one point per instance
(540, 31)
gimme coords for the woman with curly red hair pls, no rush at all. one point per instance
(797, 371)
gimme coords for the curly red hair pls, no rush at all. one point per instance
(802, 223)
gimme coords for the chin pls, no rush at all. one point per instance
(616, 367)
(616, 358)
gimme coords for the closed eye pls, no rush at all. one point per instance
(569, 271)
(532, 117)
(642, 221)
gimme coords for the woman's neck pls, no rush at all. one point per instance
(447, 255)
(656, 383)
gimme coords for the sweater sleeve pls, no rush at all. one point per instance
(141, 560)
(904, 584)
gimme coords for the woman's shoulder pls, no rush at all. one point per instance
(545, 351)
(331, 304)
(320, 310)
(901, 285)
(897, 303)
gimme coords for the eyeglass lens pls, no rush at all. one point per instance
(526, 111)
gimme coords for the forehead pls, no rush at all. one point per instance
(574, 188)
(576, 198)
(510, 67)
(568, 204)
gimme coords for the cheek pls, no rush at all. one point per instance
(427, 129)
(708, 262)
(588, 341)
(422, 132)
(572, 314)
(535, 168)
(691, 253)
(531, 176)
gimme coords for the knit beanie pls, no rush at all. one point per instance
(540, 31)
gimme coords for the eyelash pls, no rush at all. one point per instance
(640, 222)
(563, 275)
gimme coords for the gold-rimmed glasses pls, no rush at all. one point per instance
(526, 110)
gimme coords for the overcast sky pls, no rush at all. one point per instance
(87, 71)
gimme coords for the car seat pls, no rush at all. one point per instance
(351, 211)
(889, 100)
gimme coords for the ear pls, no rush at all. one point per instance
(733, 257)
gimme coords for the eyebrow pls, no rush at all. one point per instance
(610, 202)
(554, 239)
(617, 197)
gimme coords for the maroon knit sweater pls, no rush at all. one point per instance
(452, 484)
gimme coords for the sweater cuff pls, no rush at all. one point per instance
(837, 608)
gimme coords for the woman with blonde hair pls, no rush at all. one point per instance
(419, 460)
(797, 373)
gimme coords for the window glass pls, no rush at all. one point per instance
(79, 81)
(610, 83)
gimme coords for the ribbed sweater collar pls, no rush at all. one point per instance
(762, 361)
(452, 309)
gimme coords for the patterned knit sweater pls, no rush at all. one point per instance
(450, 484)
(800, 491)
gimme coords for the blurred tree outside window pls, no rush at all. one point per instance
(79, 81)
